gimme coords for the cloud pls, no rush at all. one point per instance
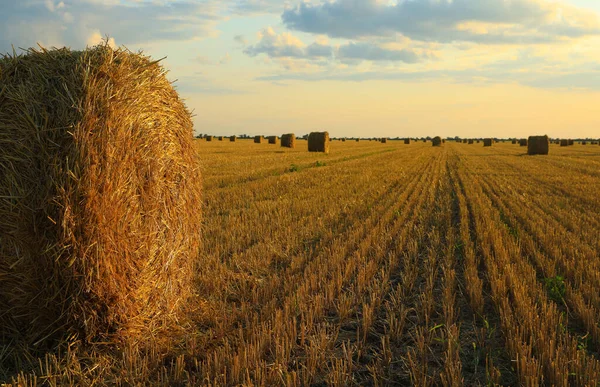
(225, 59)
(96, 38)
(480, 21)
(285, 45)
(277, 45)
(245, 7)
(240, 40)
(71, 23)
(369, 51)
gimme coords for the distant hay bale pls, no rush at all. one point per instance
(220, 138)
(407, 141)
(272, 139)
(424, 140)
(464, 141)
(209, 138)
(538, 145)
(478, 141)
(258, 139)
(443, 141)
(288, 140)
(100, 211)
(523, 142)
(514, 141)
(436, 141)
(343, 140)
(232, 138)
(571, 142)
(318, 142)
(487, 142)
(358, 139)
(384, 140)
(471, 141)
(584, 143)
(564, 142)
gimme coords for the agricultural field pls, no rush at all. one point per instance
(379, 265)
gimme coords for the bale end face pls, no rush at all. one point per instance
(105, 164)
(538, 145)
(407, 141)
(258, 139)
(487, 142)
(318, 142)
(272, 139)
(288, 140)
(436, 141)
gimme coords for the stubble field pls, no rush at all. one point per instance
(385, 264)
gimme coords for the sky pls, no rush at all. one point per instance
(364, 68)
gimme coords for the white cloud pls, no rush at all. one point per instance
(96, 38)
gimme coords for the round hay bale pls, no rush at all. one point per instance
(288, 140)
(100, 197)
(232, 139)
(407, 141)
(564, 142)
(437, 141)
(538, 145)
(384, 140)
(220, 138)
(258, 139)
(571, 142)
(470, 141)
(318, 142)
(487, 142)
(209, 138)
(272, 139)
(513, 141)
(523, 142)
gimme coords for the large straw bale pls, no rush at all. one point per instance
(564, 142)
(209, 138)
(470, 141)
(487, 142)
(571, 142)
(288, 140)
(272, 139)
(538, 145)
(437, 141)
(220, 138)
(100, 197)
(318, 142)
(232, 138)
(514, 141)
(407, 141)
(258, 139)
(384, 140)
(523, 142)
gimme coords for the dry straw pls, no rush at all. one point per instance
(288, 140)
(538, 145)
(437, 141)
(318, 142)
(100, 197)
(487, 142)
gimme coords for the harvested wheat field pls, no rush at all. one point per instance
(376, 266)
